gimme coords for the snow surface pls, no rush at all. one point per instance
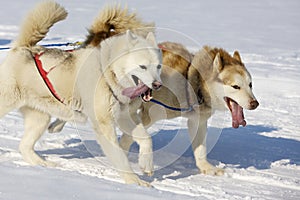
(262, 160)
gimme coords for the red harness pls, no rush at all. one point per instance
(44, 75)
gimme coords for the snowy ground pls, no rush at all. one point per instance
(262, 160)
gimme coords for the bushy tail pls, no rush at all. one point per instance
(113, 20)
(38, 22)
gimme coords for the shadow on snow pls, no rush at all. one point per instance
(243, 148)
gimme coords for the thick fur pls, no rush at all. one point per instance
(114, 20)
(90, 80)
(201, 80)
(12, 72)
(44, 19)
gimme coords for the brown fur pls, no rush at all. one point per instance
(229, 62)
(226, 58)
(201, 75)
(196, 68)
(79, 84)
(114, 20)
(176, 56)
(187, 80)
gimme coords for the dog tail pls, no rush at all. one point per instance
(113, 20)
(38, 22)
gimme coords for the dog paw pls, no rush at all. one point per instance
(206, 168)
(33, 159)
(146, 163)
(214, 171)
(74, 104)
(48, 163)
(130, 178)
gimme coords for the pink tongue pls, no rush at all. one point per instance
(237, 115)
(133, 92)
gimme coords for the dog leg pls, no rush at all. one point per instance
(126, 139)
(107, 138)
(134, 130)
(56, 126)
(35, 123)
(143, 139)
(197, 132)
(76, 107)
(56, 108)
(145, 153)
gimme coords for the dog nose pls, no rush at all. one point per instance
(156, 85)
(253, 104)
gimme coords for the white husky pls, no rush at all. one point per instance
(101, 83)
(210, 80)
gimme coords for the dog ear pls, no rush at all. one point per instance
(237, 56)
(151, 39)
(132, 39)
(217, 64)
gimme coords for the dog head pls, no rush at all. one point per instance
(232, 86)
(137, 65)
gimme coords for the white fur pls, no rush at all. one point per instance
(89, 80)
(207, 74)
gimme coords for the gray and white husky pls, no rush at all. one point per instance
(100, 83)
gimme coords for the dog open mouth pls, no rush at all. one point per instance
(236, 112)
(139, 90)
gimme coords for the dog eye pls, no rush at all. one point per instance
(236, 87)
(158, 66)
(250, 85)
(143, 67)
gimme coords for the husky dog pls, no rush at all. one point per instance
(100, 83)
(112, 20)
(210, 80)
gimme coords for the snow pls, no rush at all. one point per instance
(262, 160)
